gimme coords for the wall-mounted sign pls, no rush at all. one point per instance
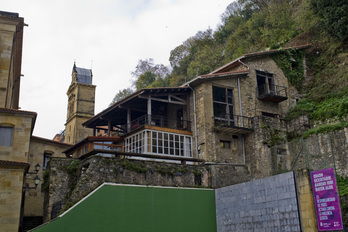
(326, 200)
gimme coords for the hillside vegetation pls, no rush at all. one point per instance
(258, 25)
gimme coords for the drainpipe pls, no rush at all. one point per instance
(240, 102)
(241, 111)
(195, 119)
(242, 122)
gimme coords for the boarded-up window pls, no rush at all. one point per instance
(6, 134)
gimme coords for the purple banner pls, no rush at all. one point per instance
(326, 200)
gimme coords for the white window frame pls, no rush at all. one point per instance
(161, 143)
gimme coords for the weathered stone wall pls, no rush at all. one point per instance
(11, 39)
(204, 110)
(321, 151)
(272, 154)
(262, 205)
(11, 182)
(70, 180)
(34, 199)
(56, 186)
(22, 125)
(226, 174)
(81, 100)
(257, 153)
(261, 155)
(208, 139)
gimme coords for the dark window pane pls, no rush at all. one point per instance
(219, 110)
(219, 94)
(229, 96)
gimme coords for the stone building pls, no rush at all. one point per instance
(214, 117)
(81, 99)
(20, 151)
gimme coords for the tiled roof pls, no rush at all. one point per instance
(276, 50)
(9, 110)
(225, 73)
(83, 76)
(50, 141)
(9, 14)
(133, 95)
(13, 163)
(255, 54)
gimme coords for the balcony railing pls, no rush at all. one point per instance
(160, 121)
(274, 93)
(91, 143)
(233, 123)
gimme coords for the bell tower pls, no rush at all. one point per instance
(81, 100)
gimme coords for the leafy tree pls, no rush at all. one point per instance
(206, 60)
(148, 65)
(279, 26)
(177, 54)
(333, 16)
(145, 80)
(121, 94)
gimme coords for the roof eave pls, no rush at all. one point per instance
(124, 100)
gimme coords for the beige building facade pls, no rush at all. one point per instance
(11, 40)
(40, 152)
(19, 150)
(15, 131)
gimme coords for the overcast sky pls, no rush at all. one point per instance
(108, 35)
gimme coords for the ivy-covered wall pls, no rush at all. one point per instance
(291, 63)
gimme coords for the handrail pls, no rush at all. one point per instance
(273, 90)
(233, 120)
(160, 121)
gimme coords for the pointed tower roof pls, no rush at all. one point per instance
(83, 76)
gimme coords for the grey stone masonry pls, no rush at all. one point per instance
(268, 204)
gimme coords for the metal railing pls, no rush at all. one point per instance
(271, 90)
(230, 120)
(160, 121)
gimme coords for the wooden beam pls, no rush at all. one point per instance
(133, 109)
(129, 119)
(149, 109)
(167, 101)
(178, 98)
(109, 128)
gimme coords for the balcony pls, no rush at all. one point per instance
(156, 121)
(273, 93)
(104, 145)
(234, 124)
(155, 146)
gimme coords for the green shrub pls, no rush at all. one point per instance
(325, 128)
(302, 107)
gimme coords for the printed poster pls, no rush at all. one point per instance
(326, 200)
